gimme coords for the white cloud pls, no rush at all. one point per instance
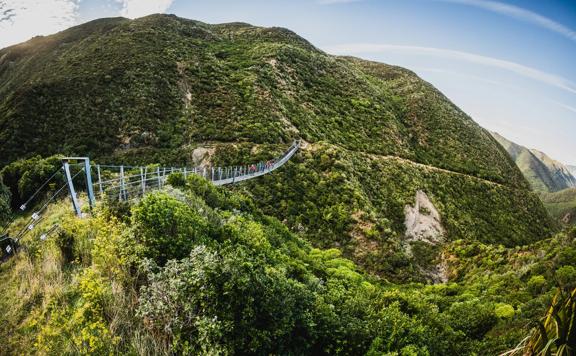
(520, 14)
(528, 72)
(21, 20)
(138, 8)
(466, 75)
(503, 9)
(30, 18)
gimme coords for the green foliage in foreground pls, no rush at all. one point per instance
(242, 283)
(556, 334)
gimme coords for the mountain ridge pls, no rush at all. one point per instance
(544, 173)
(399, 227)
(172, 91)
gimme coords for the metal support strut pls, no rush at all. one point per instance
(75, 201)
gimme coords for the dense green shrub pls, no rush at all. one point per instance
(252, 308)
(566, 277)
(167, 228)
(537, 284)
(475, 318)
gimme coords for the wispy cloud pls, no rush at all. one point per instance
(464, 75)
(492, 82)
(138, 8)
(525, 71)
(498, 7)
(520, 14)
(567, 107)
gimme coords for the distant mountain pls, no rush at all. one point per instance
(572, 169)
(542, 172)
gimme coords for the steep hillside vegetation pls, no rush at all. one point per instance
(562, 205)
(197, 269)
(167, 90)
(542, 172)
(115, 86)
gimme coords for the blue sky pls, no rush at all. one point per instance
(509, 64)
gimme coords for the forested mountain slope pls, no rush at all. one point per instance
(542, 172)
(197, 269)
(384, 150)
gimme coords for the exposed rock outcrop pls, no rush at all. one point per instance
(423, 222)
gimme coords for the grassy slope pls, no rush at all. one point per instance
(153, 89)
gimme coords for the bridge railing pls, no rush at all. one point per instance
(127, 182)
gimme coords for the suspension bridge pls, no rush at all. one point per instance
(125, 183)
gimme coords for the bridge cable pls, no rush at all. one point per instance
(36, 216)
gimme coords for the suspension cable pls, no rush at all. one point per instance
(36, 216)
(23, 206)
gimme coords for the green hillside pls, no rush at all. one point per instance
(542, 172)
(197, 269)
(117, 87)
(553, 181)
(158, 89)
